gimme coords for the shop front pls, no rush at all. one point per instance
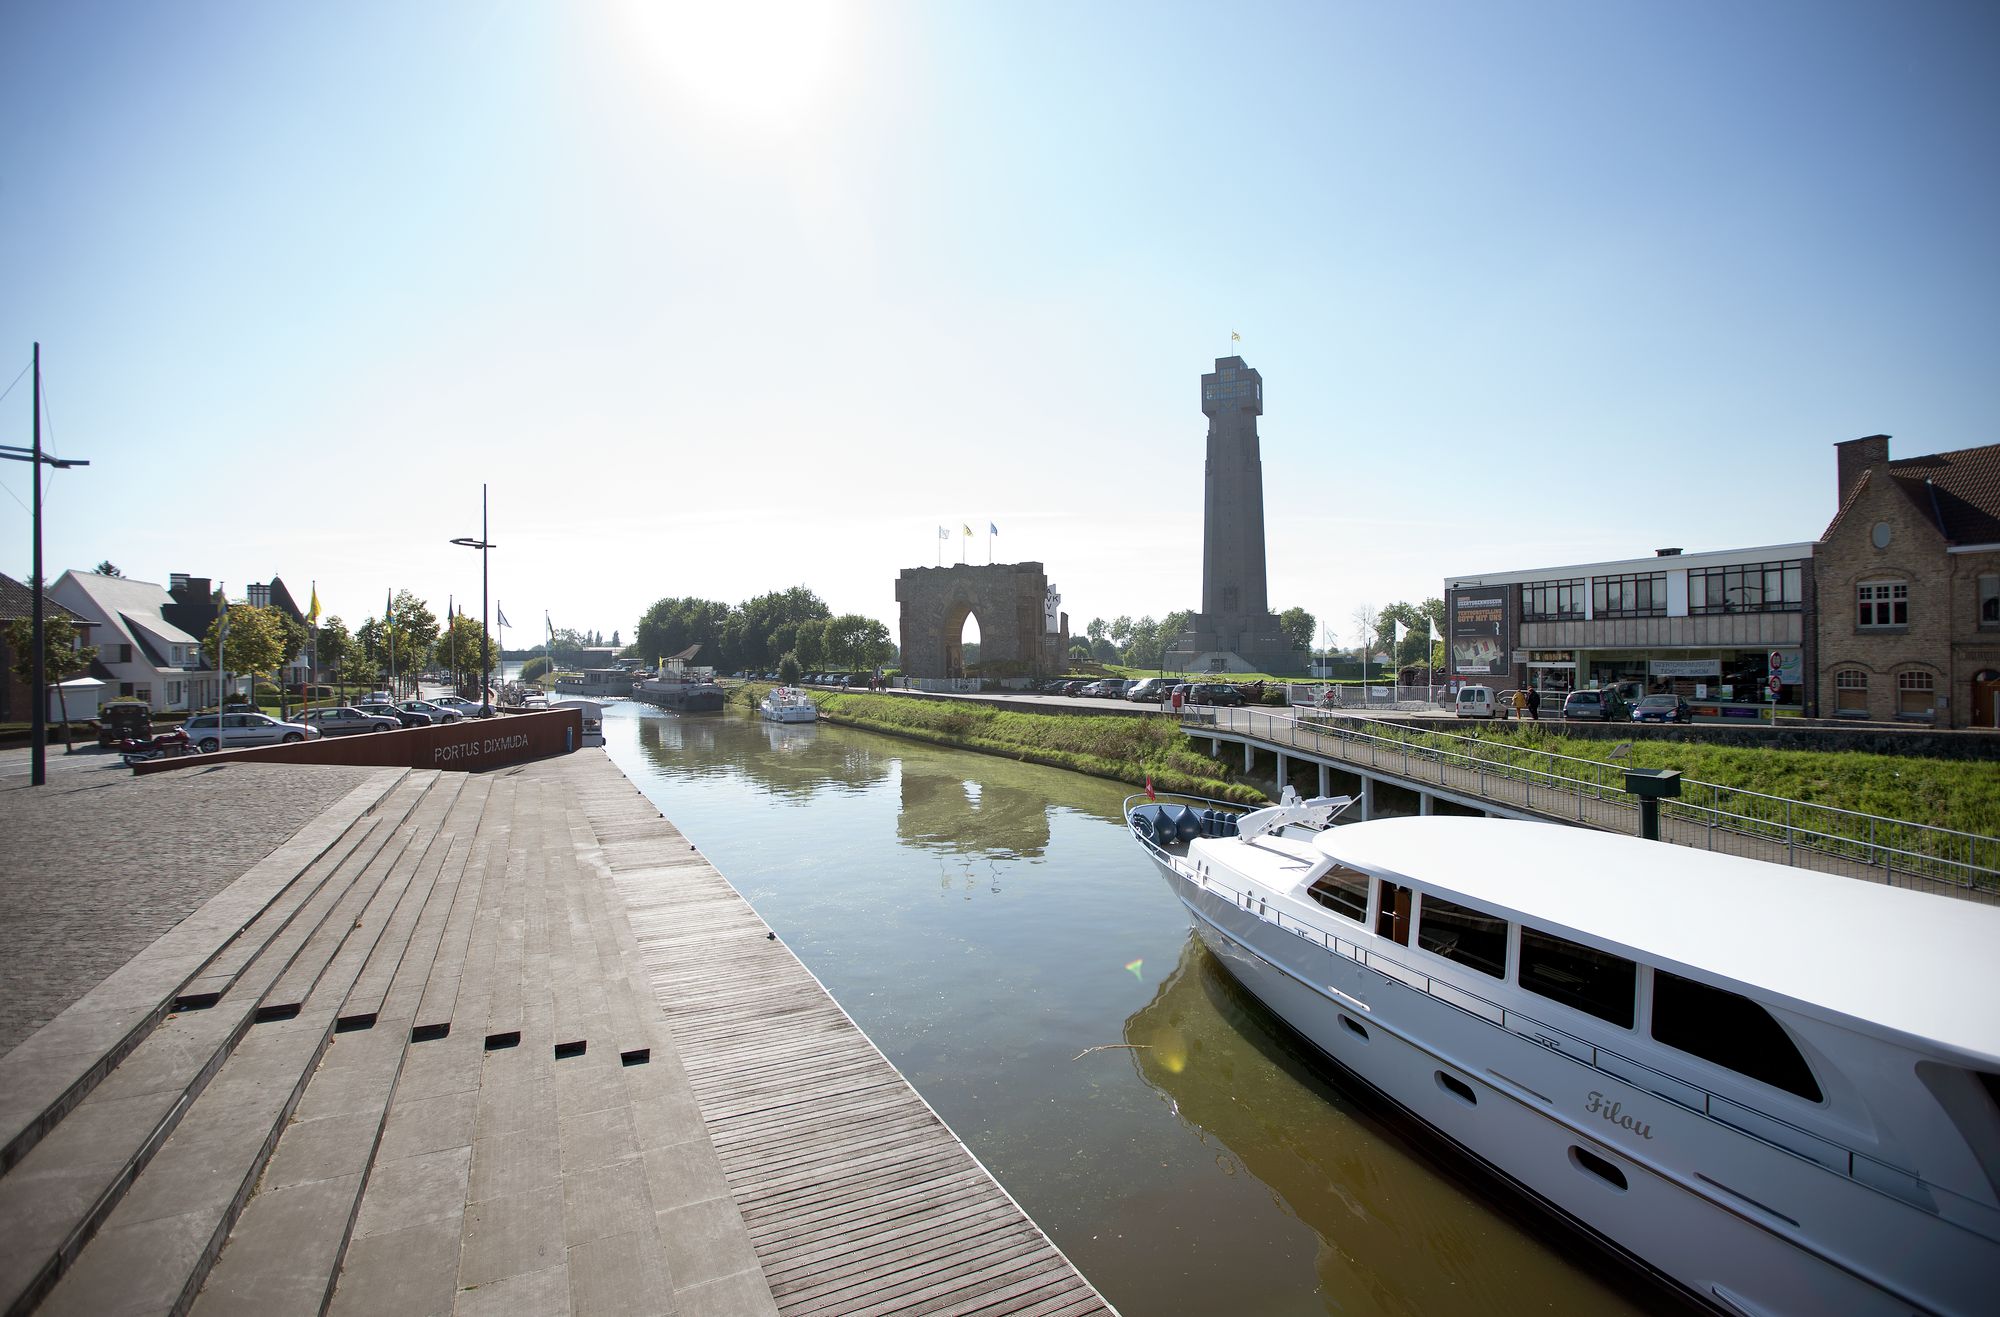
(1730, 684)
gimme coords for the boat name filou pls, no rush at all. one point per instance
(1613, 1112)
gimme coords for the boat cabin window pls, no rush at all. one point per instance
(1583, 978)
(1730, 1030)
(1470, 937)
(1343, 891)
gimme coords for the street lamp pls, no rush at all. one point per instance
(485, 645)
(38, 771)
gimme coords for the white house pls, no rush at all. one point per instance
(141, 654)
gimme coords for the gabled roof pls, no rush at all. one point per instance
(1957, 492)
(120, 602)
(17, 600)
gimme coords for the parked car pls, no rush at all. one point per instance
(1150, 689)
(409, 718)
(1481, 702)
(1662, 709)
(1214, 692)
(438, 713)
(1601, 705)
(1102, 688)
(464, 707)
(344, 720)
(232, 731)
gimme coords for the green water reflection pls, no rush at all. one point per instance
(994, 930)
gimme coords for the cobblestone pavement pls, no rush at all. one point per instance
(98, 863)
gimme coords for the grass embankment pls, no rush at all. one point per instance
(1124, 749)
(1948, 793)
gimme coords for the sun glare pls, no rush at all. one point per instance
(763, 63)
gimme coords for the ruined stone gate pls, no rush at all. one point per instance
(1022, 628)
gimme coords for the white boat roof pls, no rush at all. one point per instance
(1912, 963)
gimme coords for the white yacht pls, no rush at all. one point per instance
(788, 704)
(1778, 1089)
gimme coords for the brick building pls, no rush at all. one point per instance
(1908, 585)
(17, 701)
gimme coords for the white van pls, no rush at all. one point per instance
(1480, 702)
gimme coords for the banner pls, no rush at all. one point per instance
(1479, 632)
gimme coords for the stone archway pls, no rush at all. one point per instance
(1022, 630)
(954, 637)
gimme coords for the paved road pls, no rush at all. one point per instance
(98, 863)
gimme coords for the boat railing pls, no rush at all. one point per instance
(1757, 1124)
(1707, 815)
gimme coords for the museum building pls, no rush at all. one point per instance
(1701, 625)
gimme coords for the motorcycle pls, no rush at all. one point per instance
(167, 745)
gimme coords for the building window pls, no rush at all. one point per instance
(1552, 601)
(1643, 594)
(1916, 694)
(143, 693)
(1758, 587)
(1850, 691)
(1989, 601)
(1883, 603)
(121, 653)
(173, 692)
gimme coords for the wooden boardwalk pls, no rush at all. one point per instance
(857, 1197)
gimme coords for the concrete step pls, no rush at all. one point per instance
(50, 1072)
(293, 1236)
(74, 1180)
(157, 1243)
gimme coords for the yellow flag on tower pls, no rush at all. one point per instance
(312, 613)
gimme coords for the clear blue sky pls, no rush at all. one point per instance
(725, 298)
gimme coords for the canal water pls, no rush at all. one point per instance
(992, 928)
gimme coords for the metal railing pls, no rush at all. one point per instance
(1707, 815)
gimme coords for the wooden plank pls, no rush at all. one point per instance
(857, 1197)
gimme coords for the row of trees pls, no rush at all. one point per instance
(1375, 632)
(1143, 644)
(408, 638)
(759, 633)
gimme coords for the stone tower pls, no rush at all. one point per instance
(1235, 630)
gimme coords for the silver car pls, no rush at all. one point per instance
(344, 720)
(233, 731)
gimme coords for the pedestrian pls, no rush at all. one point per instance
(1520, 704)
(1534, 705)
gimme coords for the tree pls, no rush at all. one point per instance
(1097, 630)
(255, 643)
(811, 646)
(1079, 649)
(61, 656)
(615, 641)
(458, 649)
(536, 668)
(408, 636)
(1104, 650)
(854, 641)
(1297, 624)
(788, 668)
(107, 568)
(1366, 620)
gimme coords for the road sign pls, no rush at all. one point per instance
(1777, 662)
(1777, 683)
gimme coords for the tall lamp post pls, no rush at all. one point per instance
(38, 768)
(485, 643)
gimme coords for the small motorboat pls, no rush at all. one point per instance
(788, 704)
